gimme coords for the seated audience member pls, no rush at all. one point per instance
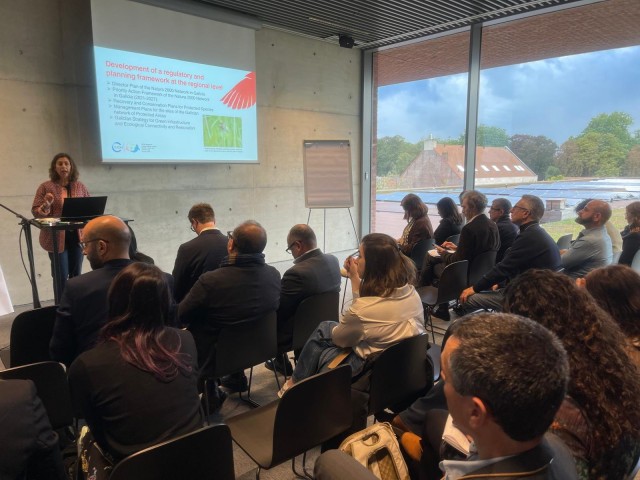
(386, 309)
(201, 254)
(418, 223)
(504, 378)
(479, 235)
(30, 449)
(599, 419)
(138, 386)
(631, 238)
(532, 248)
(612, 231)
(616, 289)
(243, 289)
(83, 306)
(452, 220)
(499, 213)
(313, 273)
(134, 254)
(592, 248)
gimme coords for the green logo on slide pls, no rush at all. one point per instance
(218, 131)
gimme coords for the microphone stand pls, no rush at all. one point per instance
(26, 227)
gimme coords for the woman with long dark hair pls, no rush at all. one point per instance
(616, 289)
(63, 183)
(452, 220)
(386, 309)
(599, 419)
(418, 223)
(137, 387)
(631, 234)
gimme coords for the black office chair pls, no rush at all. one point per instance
(244, 345)
(453, 238)
(564, 242)
(401, 373)
(310, 412)
(480, 265)
(434, 353)
(30, 334)
(204, 454)
(50, 380)
(452, 282)
(419, 252)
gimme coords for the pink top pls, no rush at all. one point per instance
(59, 194)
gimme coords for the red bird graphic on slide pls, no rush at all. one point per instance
(243, 95)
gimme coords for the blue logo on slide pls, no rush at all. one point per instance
(116, 147)
(132, 147)
(127, 147)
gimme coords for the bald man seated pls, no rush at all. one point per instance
(592, 249)
(83, 306)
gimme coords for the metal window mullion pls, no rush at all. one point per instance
(473, 90)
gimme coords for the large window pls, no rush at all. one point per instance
(559, 115)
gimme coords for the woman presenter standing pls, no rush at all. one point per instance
(47, 202)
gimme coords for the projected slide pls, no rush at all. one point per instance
(155, 109)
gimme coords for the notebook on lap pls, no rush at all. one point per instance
(81, 209)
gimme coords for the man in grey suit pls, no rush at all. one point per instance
(313, 273)
(201, 254)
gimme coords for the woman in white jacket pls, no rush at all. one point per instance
(386, 309)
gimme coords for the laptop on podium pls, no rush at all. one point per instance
(82, 209)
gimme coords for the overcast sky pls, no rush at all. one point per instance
(555, 97)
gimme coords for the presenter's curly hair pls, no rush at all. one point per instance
(616, 289)
(604, 381)
(386, 268)
(53, 175)
(138, 308)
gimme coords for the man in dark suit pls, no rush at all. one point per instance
(83, 307)
(30, 447)
(201, 254)
(532, 248)
(499, 213)
(313, 273)
(478, 235)
(243, 289)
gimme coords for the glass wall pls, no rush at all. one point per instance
(420, 114)
(559, 115)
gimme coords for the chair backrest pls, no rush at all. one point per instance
(205, 453)
(419, 251)
(480, 265)
(50, 380)
(30, 335)
(564, 242)
(246, 344)
(452, 281)
(311, 412)
(453, 238)
(635, 263)
(401, 372)
(311, 311)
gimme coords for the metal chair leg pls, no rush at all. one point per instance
(258, 473)
(206, 399)
(248, 400)
(304, 466)
(293, 469)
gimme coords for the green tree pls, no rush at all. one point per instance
(631, 167)
(487, 136)
(536, 152)
(394, 154)
(593, 154)
(616, 123)
(567, 160)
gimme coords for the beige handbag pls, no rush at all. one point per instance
(376, 447)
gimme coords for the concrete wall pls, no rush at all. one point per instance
(306, 90)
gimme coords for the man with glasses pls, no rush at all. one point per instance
(243, 289)
(532, 248)
(313, 273)
(499, 213)
(201, 254)
(83, 306)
